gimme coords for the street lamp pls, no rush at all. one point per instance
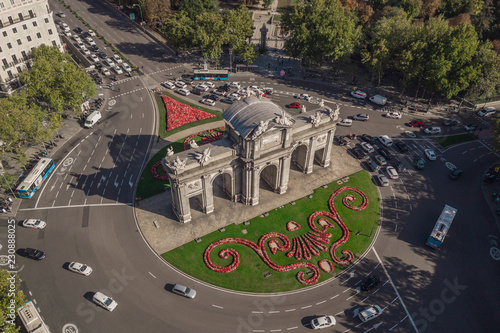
(142, 17)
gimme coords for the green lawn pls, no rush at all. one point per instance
(249, 276)
(163, 119)
(446, 141)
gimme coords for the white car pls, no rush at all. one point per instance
(34, 224)
(367, 147)
(64, 27)
(358, 94)
(180, 84)
(182, 91)
(486, 111)
(80, 268)
(85, 51)
(431, 155)
(117, 69)
(383, 181)
(391, 172)
(106, 71)
(61, 14)
(209, 84)
(94, 58)
(323, 322)
(208, 101)
(80, 45)
(234, 85)
(168, 84)
(202, 87)
(110, 62)
(126, 67)
(234, 96)
(90, 40)
(117, 58)
(394, 115)
(184, 291)
(433, 130)
(380, 160)
(305, 97)
(92, 33)
(361, 117)
(106, 302)
(242, 92)
(77, 39)
(219, 92)
(345, 122)
(369, 313)
(68, 33)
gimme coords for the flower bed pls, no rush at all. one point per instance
(180, 114)
(154, 171)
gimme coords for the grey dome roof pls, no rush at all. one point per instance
(245, 115)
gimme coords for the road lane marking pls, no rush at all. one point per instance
(289, 310)
(292, 328)
(217, 306)
(152, 275)
(321, 302)
(306, 307)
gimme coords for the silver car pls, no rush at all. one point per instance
(383, 180)
(184, 291)
(370, 312)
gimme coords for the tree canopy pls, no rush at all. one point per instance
(6, 295)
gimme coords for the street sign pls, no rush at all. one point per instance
(132, 16)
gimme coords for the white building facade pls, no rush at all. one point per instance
(24, 25)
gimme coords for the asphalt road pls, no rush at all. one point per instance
(89, 220)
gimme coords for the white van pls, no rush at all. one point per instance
(385, 140)
(92, 119)
(377, 99)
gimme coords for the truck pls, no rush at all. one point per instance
(377, 99)
(92, 119)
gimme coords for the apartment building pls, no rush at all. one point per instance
(24, 25)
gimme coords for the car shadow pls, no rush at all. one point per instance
(169, 287)
(306, 321)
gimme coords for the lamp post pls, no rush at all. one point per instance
(142, 17)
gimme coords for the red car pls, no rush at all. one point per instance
(417, 123)
(294, 105)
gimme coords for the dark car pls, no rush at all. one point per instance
(366, 138)
(103, 54)
(450, 122)
(86, 34)
(225, 88)
(212, 97)
(399, 166)
(419, 162)
(385, 153)
(358, 153)
(228, 100)
(370, 283)
(343, 140)
(455, 174)
(373, 165)
(403, 147)
(196, 91)
(34, 254)
(98, 65)
(95, 48)
(78, 30)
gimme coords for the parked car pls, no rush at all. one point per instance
(323, 322)
(234, 96)
(235, 85)
(117, 58)
(486, 111)
(80, 44)
(345, 122)
(196, 91)
(94, 58)
(403, 147)
(212, 97)
(182, 91)
(343, 140)
(431, 155)
(372, 165)
(450, 122)
(104, 301)
(209, 84)
(370, 282)
(455, 174)
(34, 254)
(180, 84)
(207, 101)
(64, 27)
(432, 130)
(229, 100)
(92, 33)
(385, 140)
(369, 313)
(110, 62)
(306, 97)
(168, 84)
(80, 268)
(393, 115)
(391, 172)
(202, 87)
(361, 117)
(294, 105)
(400, 167)
(103, 54)
(367, 147)
(85, 51)
(78, 30)
(367, 138)
(416, 123)
(358, 153)
(419, 162)
(94, 48)
(90, 40)
(126, 67)
(34, 224)
(105, 71)
(61, 14)
(380, 160)
(220, 92)
(385, 153)
(117, 69)
(470, 127)
(184, 291)
(358, 94)
(67, 33)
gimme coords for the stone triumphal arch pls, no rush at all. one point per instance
(261, 141)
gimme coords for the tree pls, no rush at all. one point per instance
(157, 11)
(429, 8)
(267, 3)
(9, 298)
(193, 8)
(487, 83)
(55, 81)
(411, 7)
(179, 29)
(210, 34)
(320, 29)
(239, 27)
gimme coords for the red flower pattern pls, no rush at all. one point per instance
(179, 114)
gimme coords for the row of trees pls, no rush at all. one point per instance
(430, 54)
(53, 85)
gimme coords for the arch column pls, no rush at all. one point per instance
(284, 174)
(327, 151)
(180, 201)
(308, 167)
(207, 195)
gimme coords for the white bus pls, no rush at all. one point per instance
(442, 226)
(36, 176)
(31, 319)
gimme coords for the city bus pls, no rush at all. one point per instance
(442, 226)
(36, 176)
(31, 319)
(211, 74)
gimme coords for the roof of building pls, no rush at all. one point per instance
(244, 116)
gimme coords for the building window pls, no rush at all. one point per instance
(19, 70)
(21, 17)
(25, 56)
(39, 35)
(11, 21)
(0, 49)
(19, 42)
(28, 64)
(14, 30)
(34, 24)
(12, 2)
(1, 24)
(1, 4)
(5, 63)
(5, 33)
(9, 45)
(10, 75)
(46, 20)
(29, 38)
(25, 27)
(50, 31)
(54, 43)
(31, 13)
(14, 58)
